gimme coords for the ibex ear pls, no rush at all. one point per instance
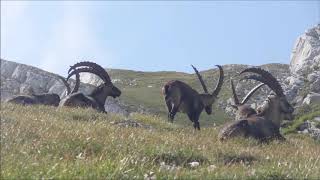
(234, 106)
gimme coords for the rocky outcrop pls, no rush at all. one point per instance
(305, 57)
(23, 79)
(305, 66)
(312, 98)
(311, 127)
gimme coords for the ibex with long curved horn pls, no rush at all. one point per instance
(97, 98)
(265, 124)
(50, 99)
(239, 127)
(181, 97)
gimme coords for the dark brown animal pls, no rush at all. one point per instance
(97, 98)
(265, 124)
(50, 99)
(180, 97)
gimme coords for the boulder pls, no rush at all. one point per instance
(312, 98)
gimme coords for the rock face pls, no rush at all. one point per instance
(23, 79)
(305, 57)
(312, 98)
(305, 66)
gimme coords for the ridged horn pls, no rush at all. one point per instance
(77, 85)
(220, 82)
(84, 69)
(98, 69)
(253, 90)
(235, 97)
(268, 79)
(65, 82)
(200, 79)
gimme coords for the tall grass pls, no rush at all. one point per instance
(62, 143)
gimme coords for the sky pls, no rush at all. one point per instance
(152, 35)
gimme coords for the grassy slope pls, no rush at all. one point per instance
(44, 142)
(307, 112)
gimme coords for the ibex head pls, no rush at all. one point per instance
(280, 103)
(243, 110)
(276, 106)
(106, 88)
(207, 98)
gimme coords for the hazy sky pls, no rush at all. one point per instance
(153, 36)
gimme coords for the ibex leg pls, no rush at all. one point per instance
(169, 106)
(174, 111)
(195, 119)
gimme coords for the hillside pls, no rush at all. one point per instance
(45, 142)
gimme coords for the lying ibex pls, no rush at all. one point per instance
(50, 99)
(97, 98)
(265, 124)
(181, 97)
(243, 111)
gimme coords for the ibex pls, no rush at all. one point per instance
(50, 99)
(243, 111)
(180, 97)
(264, 125)
(96, 99)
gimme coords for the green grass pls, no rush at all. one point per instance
(62, 143)
(305, 113)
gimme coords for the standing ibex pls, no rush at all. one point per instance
(50, 99)
(265, 124)
(181, 97)
(96, 99)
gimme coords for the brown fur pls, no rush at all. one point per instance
(48, 99)
(180, 97)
